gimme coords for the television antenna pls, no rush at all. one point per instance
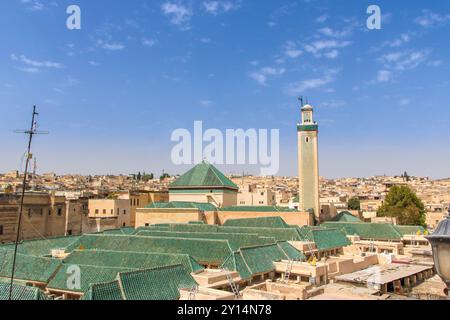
(31, 132)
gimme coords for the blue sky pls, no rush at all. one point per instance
(112, 93)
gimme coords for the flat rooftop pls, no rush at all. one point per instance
(381, 274)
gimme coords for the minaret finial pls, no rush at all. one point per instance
(301, 101)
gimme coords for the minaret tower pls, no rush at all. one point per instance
(308, 162)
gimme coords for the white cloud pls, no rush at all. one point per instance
(215, 7)
(322, 18)
(179, 14)
(33, 5)
(34, 66)
(404, 102)
(262, 75)
(291, 50)
(300, 87)
(429, 19)
(332, 54)
(401, 40)
(148, 42)
(384, 76)
(206, 103)
(328, 48)
(111, 46)
(327, 31)
(404, 60)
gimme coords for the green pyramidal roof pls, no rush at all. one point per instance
(203, 175)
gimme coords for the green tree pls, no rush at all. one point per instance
(354, 203)
(402, 203)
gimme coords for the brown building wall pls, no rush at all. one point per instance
(44, 215)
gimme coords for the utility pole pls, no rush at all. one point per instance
(30, 134)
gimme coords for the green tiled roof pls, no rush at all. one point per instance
(203, 175)
(326, 239)
(376, 231)
(42, 247)
(21, 292)
(182, 205)
(346, 216)
(193, 228)
(203, 250)
(235, 262)
(108, 291)
(264, 222)
(280, 234)
(255, 260)
(290, 251)
(260, 259)
(125, 230)
(258, 209)
(162, 283)
(236, 240)
(408, 230)
(132, 260)
(29, 268)
(89, 275)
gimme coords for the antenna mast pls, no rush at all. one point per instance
(30, 134)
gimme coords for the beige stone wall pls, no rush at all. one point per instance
(43, 216)
(111, 208)
(146, 217)
(141, 200)
(294, 218)
(154, 216)
(219, 199)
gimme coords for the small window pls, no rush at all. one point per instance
(124, 224)
(49, 212)
(69, 232)
(112, 211)
(137, 201)
(104, 211)
(96, 210)
(1, 230)
(307, 139)
(147, 225)
(124, 211)
(59, 211)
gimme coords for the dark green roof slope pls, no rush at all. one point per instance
(280, 234)
(89, 275)
(202, 250)
(132, 260)
(346, 216)
(264, 222)
(29, 268)
(235, 262)
(410, 230)
(255, 260)
(203, 175)
(376, 231)
(42, 247)
(290, 251)
(162, 283)
(21, 292)
(326, 239)
(258, 209)
(108, 291)
(182, 205)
